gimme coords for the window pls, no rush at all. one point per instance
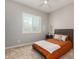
(31, 23)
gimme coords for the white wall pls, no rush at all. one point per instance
(63, 18)
(13, 24)
(59, 19)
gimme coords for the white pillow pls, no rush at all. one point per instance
(64, 37)
(60, 37)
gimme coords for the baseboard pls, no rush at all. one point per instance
(19, 45)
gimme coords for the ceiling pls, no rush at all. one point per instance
(54, 4)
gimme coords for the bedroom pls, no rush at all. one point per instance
(20, 33)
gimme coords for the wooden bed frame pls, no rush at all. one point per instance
(58, 31)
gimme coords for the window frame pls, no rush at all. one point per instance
(25, 32)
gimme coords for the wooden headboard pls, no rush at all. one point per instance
(65, 32)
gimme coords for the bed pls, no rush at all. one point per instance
(65, 46)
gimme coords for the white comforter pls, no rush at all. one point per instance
(50, 47)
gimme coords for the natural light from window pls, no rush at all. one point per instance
(31, 23)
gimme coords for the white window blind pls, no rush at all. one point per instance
(31, 23)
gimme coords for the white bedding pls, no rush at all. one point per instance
(50, 47)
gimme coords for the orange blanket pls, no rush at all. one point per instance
(65, 47)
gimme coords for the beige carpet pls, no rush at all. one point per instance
(26, 52)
